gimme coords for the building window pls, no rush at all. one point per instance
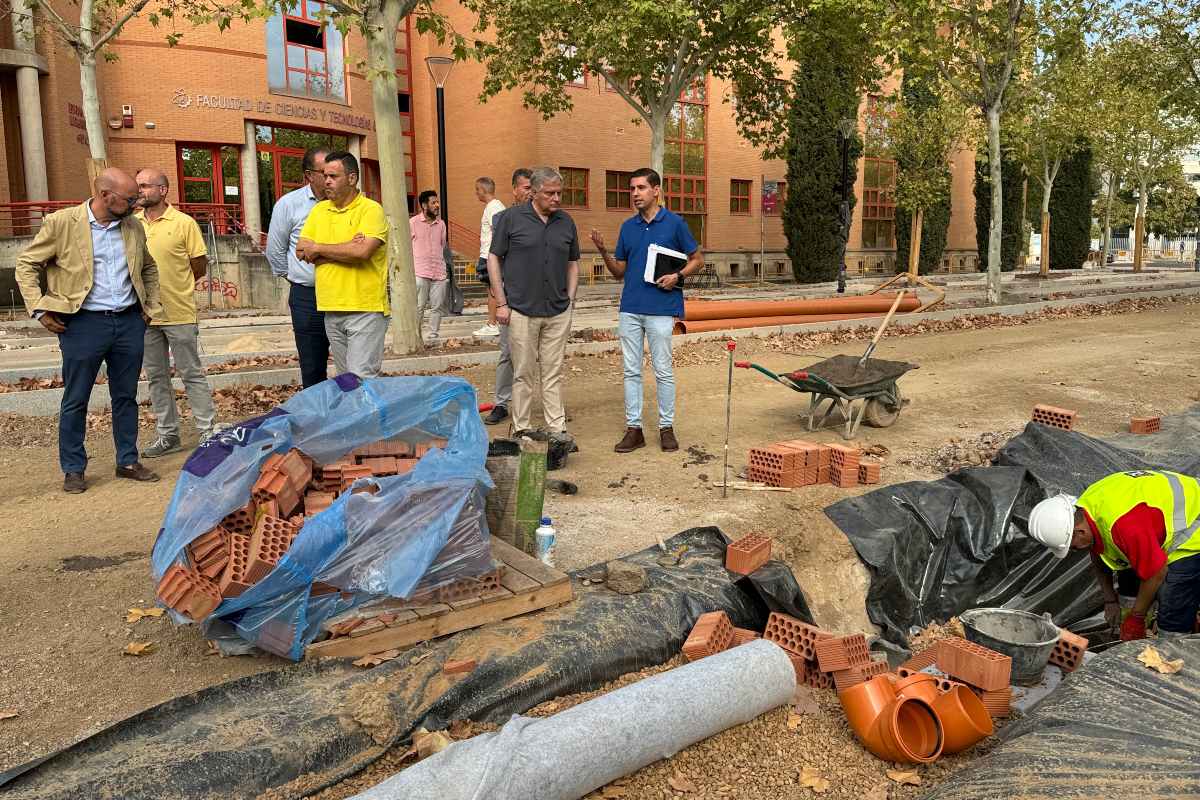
(879, 204)
(280, 154)
(616, 190)
(574, 187)
(209, 173)
(685, 160)
(305, 56)
(782, 196)
(739, 196)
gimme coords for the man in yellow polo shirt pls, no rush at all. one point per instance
(174, 240)
(344, 238)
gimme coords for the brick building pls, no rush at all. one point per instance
(227, 115)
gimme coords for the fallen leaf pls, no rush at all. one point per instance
(879, 792)
(375, 659)
(134, 614)
(680, 783)
(793, 721)
(138, 649)
(429, 743)
(803, 702)
(810, 777)
(909, 777)
(8, 714)
(459, 729)
(611, 791)
(1154, 660)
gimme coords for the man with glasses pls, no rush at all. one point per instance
(287, 219)
(177, 246)
(101, 293)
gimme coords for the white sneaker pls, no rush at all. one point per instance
(488, 330)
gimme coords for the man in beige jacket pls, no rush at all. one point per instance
(101, 293)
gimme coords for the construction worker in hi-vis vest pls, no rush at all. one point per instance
(1144, 520)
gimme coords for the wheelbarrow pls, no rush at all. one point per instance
(866, 393)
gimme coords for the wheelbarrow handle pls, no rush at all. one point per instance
(742, 364)
(799, 375)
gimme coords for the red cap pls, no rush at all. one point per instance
(731, 345)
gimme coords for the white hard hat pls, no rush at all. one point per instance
(1052, 521)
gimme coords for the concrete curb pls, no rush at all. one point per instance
(46, 402)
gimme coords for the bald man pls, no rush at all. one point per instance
(101, 293)
(177, 247)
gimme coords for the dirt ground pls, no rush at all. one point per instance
(72, 565)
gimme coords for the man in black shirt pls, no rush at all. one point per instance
(533, 267)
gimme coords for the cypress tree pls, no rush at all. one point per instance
(825, 90)
(1071, 211)
(1010, 234)
(935, 222)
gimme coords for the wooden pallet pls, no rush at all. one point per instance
(527, 585)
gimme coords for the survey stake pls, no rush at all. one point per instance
(662, 261)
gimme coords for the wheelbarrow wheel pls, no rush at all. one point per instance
(880, 413)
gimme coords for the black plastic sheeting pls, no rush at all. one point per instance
(1112, 730)
(937, 548)
(264, 731)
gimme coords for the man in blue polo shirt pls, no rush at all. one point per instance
(649, 310)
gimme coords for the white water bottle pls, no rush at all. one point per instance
(544, 537)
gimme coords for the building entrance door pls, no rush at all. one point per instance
(280, 158)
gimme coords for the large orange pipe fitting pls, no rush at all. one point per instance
(695, 310)
(901, 729)
(965, 719)
(706, 325)
(920, 685)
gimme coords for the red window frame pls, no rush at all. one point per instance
(304, 69)
(740, 192)
(404, 71)
(686, 193)
(216, 177)
(879, 203)
(572, 191)
(617, 194)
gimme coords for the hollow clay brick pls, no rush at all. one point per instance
(808, 453)
(744, 635)
(275, 486)
(1054, 417)
(818, 679)
(825, 456)
(842, 652)
(921, 660)
(206, 543)
(845, 678)
(187, 592)
(351, 474)
(771, 476)
(843, 477)
(800, 665)
(271, 539)
(315, 502)
(297, 469)
(1068, 650)
(382, 466)
(213, 562)
(1145, 425)
(233, 580)
(845, 457)
(748, 553)
(459, 666)
(869, 472)
(712, 633)
(793, 635)
(240, 520)
(974, 664)
(998, 702)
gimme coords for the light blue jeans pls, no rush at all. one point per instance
(634, 329)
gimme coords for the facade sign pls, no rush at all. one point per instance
(770, 197)
(314, 114)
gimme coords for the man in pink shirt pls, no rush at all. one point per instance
(429, 261)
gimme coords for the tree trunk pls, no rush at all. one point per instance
(914, 248)
(658, 136)
(1106, 242)
(1047, 185)
(1139, 228)
(380, 24)
(995, 229)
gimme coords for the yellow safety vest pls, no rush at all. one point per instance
(1176, 496)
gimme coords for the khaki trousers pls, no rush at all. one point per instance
(533, 340)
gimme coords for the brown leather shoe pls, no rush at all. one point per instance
(632, 441)
(666, 438)
(136, 472)
(74, 483)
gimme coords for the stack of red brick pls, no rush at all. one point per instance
(247, 544)
(799, 463)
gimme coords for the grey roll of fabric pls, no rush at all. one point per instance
(565, 756)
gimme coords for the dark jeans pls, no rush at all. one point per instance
(308, 326)
(93, 338)
(1179, 596)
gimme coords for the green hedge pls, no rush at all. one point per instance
(1010, 241)
(1071, 211)
(935, 222)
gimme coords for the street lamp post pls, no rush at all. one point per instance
(439, 70)
(845, 130)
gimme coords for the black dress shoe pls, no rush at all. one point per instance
(74, 483)
(136, 472)
(497, 415)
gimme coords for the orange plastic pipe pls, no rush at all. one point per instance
(696, 310)
(921, 685)
(705, 325)
(901, 729)
(965, 719)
